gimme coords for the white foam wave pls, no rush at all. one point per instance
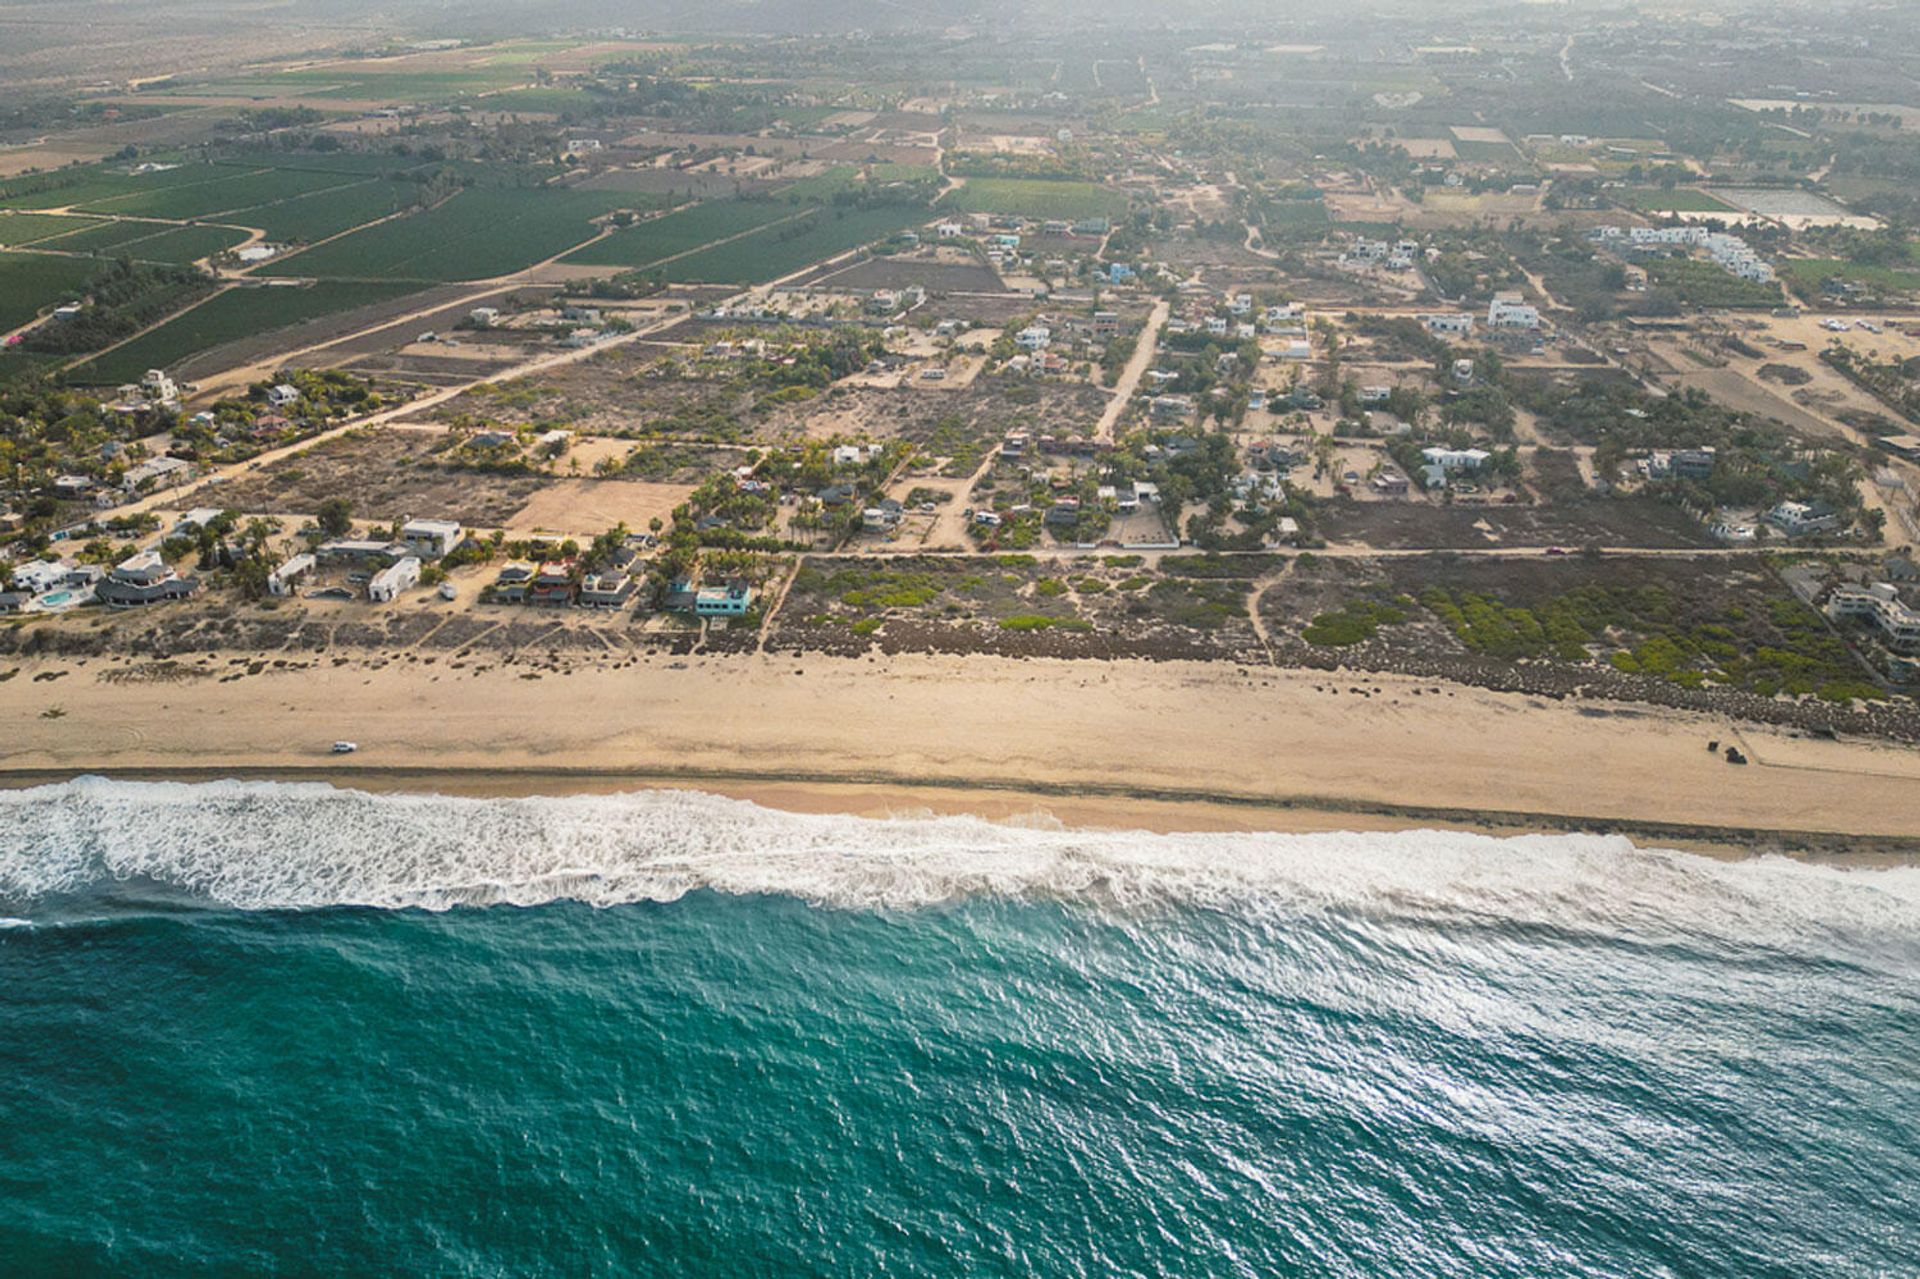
(261, 845)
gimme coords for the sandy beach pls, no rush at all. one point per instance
(1155, 745)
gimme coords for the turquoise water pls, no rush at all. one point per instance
(256, 1030)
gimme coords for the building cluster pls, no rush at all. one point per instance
(54, 586)
(1731, 253)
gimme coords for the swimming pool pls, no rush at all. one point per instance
(55, 599)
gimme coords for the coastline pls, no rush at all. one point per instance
(1156, 746)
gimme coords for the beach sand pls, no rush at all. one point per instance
(1157, 745)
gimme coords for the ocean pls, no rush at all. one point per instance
(261, 1029)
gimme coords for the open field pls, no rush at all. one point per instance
(582, 506)
(229, 316)
(386, 475)
(1037, 199)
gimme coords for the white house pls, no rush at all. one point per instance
(431, 538)
(1459, 324)
(1797, 519)
(1033, 338)
(1879, 603)
(283, 395)
(157, 386)
(36, 576)
(1507, 312)
(395, 578)
(1455, 459)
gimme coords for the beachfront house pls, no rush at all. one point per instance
(730, 600)
(552, 585)
(610, 588)
(143, 579)
(1880, 604)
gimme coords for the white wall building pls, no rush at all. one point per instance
(395, 578)
(1881, 605)
(1455, 459)
(1508, 313)
(281, 580)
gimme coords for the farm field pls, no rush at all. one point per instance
(1036, 198)
(786, 248)
(1486, 152)
(227, 316)
(1684, 200)
(88, 183)
(647, 242)
(30, 282)
(330, 212)
(109, 237)
(1809, 272)
(184, 244)
(228, 190)
(17, 229)
(476, 234)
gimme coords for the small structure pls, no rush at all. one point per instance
(281, 581)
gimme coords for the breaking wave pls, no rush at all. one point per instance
(267, 845)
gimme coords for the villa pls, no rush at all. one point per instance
(143, 579)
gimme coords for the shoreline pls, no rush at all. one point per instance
(1013, 801)
(1151, 745)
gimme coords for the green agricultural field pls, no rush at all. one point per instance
(327, 213)
(111, 238)
(787, 247)
(476, 234)
(233, 189)
(17, 229)
(366, 164)
(81, 185)
(184, 244)
(1036, 198)
(1684, 200)
(151, 241)
(555, 101)
(226, 317)
(32, 282)
(1809, 272)
(647, 242)
(1486, 152)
